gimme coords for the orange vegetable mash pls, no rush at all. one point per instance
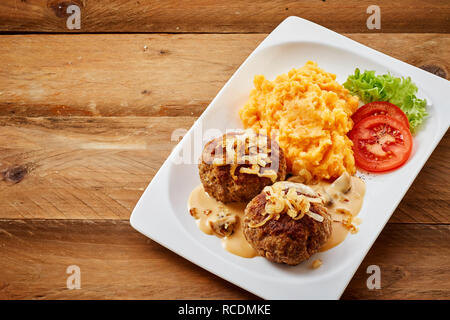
(311, 112)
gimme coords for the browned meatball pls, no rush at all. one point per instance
(241, 180)
(285, 240)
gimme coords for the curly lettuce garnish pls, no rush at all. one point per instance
(399, 91)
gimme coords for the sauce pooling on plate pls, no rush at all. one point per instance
(343, 199)
(222, 220)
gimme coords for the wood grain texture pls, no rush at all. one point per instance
(222, 16)
(151, 75)
(97, 167)
(78, 167)
(118, 263)
(116, 75)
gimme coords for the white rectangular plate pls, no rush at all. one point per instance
(161, 213)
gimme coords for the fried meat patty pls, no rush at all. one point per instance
(226, 182)
(285, 240)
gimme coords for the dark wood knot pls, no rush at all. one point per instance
(15, 174)
(435, 69)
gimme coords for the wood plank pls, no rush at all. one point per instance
(221, 16)
(97, 167)
(80, 167)
(139, 75)
(118, 263)
(151, 75)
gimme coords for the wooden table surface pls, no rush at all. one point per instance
(86, 118)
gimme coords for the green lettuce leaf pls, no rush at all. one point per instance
(399, 91)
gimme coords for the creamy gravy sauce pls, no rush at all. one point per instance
(343, 208)
(207, 207)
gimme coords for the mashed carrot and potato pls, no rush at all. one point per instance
(311, 112)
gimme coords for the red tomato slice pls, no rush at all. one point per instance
(380, 143)
(380, 108)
